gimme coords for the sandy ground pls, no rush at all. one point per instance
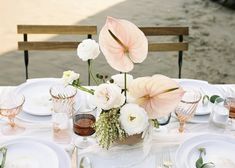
(211, 55)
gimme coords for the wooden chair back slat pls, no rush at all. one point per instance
(168, 47)
(56, 29)
(165, 31)
(47, 45)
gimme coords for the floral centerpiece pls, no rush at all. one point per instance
(128, 106)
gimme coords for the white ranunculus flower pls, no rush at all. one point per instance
(69, 76)
(119, 80)
(88, 49)
(108, 96)
(133, 119)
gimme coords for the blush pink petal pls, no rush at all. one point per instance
(137, 87)
(131, 36)
(152, 93)
(165, 103)
(164, 83)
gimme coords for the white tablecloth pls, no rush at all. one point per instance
(165, 136)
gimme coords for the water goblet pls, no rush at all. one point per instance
(11, 105)
(187, 107)
(63, 100)
(83, 122)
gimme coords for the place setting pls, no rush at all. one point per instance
(38, 106)
(215, 150)
(32, 153)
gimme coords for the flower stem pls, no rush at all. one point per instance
(90, 74)
(85, 89)
(125, 89)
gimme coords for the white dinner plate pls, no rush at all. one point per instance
(205, 89)
(37, 96)
(63, 157)
(38, 106)
(33, 118)
(182, 158)
(29, 153)
(217, 151)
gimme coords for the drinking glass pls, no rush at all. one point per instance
(11, 105)
(63, 100)
(187, 107)
(231, 103)
(220, 113)
(83, 125)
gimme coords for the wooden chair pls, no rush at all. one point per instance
(176, 46)
(26, 45)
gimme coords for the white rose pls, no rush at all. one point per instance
(119, 80)
(88, 49)
(133, 119)
(69, 76)
(108, 96)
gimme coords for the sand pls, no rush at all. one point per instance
(211, 54)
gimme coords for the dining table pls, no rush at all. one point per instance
(165, 138)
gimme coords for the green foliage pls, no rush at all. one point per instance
(199, 162)
(108, 128)
(3, 150)
(213, 98)
(154, 123)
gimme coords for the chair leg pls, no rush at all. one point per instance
(26, 58)
(26, 62)
(180, 62)
(180, 57)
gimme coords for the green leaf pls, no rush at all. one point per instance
(208, 165)
(3, 150)
(213, 98)
(199, 162)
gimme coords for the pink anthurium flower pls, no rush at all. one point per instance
(158, 95)
(122, 44)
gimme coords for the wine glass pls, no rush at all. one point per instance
(83, 125)
(63, 98)
(187, 107)
(11, 105)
